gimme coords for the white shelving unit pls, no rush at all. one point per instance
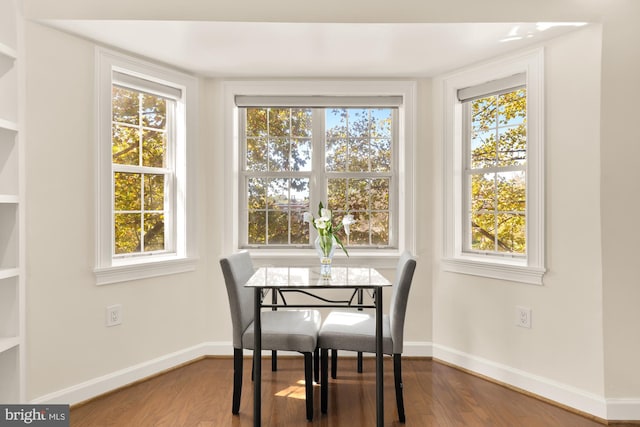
(12, 281)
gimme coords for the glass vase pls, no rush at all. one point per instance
(325, 246)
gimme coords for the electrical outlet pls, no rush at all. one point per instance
(523, 317)
(114, 315)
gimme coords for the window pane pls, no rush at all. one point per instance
(279, 154)
(301, 123)
(256, 154)
(511, 233)
(512, 108)
(380, 150)
(336, 155)
(483, 114)
(483, 149)
(278, 194)
(336, 123)
(154, 111)
(380, 194)
(358, 123)
(153, 148)
(301, 155)
(125, 106)
(256, 122)
(299, 228)
(299, 194)
(127, 194)
(125, 145)
(337, 194)
(483, 193)
(358, 194)
(153, 232)
(279, 125)
(512, 148)
(278, 223)
(358, 155)
(257, 193)
(483, 232)
(381, 123)
(257, 232)
(127, 233)
(379, 228)
(153, 192)
(360, 229)
(511, 191)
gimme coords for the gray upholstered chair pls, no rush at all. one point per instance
(287, 330)
(356, 331)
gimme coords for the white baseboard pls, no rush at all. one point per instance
(544, 387)
(607, 409)
(103, 384)
(623, 409)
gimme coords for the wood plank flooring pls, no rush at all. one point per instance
(199, 395)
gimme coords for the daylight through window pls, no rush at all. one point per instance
(142, 170)
(295, 158)
(496, 165)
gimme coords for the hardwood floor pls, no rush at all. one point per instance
(199, 395)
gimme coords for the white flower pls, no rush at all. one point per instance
(307, 217)
(325, 214)
(347, 220)
(320, 223)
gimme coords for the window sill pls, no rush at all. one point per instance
(514, 271)
(125, 271)
(378, 258)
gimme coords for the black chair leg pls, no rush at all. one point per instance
(316, 365)
(274, 360)
(359, 362)
(237, 380)
(308, 384)
(334, 363)
(324, 380)
(397, 375)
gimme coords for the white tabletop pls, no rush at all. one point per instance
(309, 277)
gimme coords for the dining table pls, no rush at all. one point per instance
(309, 281)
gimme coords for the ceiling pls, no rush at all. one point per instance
(264, 49)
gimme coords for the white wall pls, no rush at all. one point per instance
(476, 316)
(68, 342)
(585, 317)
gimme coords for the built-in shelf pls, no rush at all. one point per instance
(7, 273)
(12, 281)
(8, 199)
(7, 343)
(8, 125)
(8, 51)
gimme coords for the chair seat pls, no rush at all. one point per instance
(354, 331)
(288, 330)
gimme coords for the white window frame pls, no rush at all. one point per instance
(383, 257)
(180, 255)
(529, 269)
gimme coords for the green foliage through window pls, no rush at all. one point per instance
(281, 179)
(139, 161)
(496, 173)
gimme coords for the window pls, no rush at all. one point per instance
(143, 158)
(493, 170)
(348, 149)
(354, 173)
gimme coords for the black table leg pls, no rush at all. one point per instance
(360, 301)
(379, 362)
(257, 359)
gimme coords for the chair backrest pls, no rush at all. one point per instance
(237, 269)
(399, 298)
